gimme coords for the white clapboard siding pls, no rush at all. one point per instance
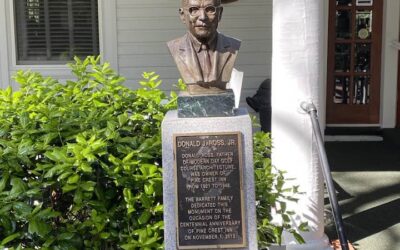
(3, 73)
(170, 72)
(144, 27)
(154, 23)
(60, 75)
(134, 36)
(164, 60)
(154, 48)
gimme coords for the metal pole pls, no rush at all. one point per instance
(312, 111)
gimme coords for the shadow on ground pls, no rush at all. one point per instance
(363, 156)
(367, 181)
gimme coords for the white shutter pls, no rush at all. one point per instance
(54, 31)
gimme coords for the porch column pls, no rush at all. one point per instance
(297, 66)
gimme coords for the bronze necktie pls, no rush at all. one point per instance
(206, 62)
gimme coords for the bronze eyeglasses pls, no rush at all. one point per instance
(208, 10)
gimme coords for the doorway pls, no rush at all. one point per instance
(354, 61)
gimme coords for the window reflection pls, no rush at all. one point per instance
(362, 57)
(363, 26)
(343, 2)
(361, 90)
(342, 57)
(343, 18)
(33, 10)
(341, 90)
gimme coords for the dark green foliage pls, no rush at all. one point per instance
(80, 163)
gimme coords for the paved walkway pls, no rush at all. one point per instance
(367, 178)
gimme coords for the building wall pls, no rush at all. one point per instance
(133, 36)
(144, 27)
(8, 65)
(390, 33)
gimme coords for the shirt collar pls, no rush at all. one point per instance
(197, 45)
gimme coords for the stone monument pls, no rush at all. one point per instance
(208, 175)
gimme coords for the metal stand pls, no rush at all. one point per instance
(312, 111)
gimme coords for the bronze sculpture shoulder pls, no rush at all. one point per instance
(234, 43)
(223, 59)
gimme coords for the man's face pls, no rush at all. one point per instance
(201, 18)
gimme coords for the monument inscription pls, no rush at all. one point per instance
(209, 190)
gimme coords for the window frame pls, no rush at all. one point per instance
(44, 61)
(107, 31)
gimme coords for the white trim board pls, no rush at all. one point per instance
(4, 65)
(108, 32)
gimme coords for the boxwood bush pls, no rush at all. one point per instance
(80, 163)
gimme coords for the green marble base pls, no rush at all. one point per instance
(206, 105)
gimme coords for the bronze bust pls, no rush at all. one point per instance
(204, 57)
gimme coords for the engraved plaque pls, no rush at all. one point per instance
(209, 205)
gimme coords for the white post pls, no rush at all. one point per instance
(297, 66)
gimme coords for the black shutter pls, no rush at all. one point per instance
(54, 31)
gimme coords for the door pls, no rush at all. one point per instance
(354, 61)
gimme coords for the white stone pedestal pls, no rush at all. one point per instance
(172, 125)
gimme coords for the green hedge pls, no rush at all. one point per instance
(80, 163)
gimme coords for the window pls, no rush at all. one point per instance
(54, 31)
